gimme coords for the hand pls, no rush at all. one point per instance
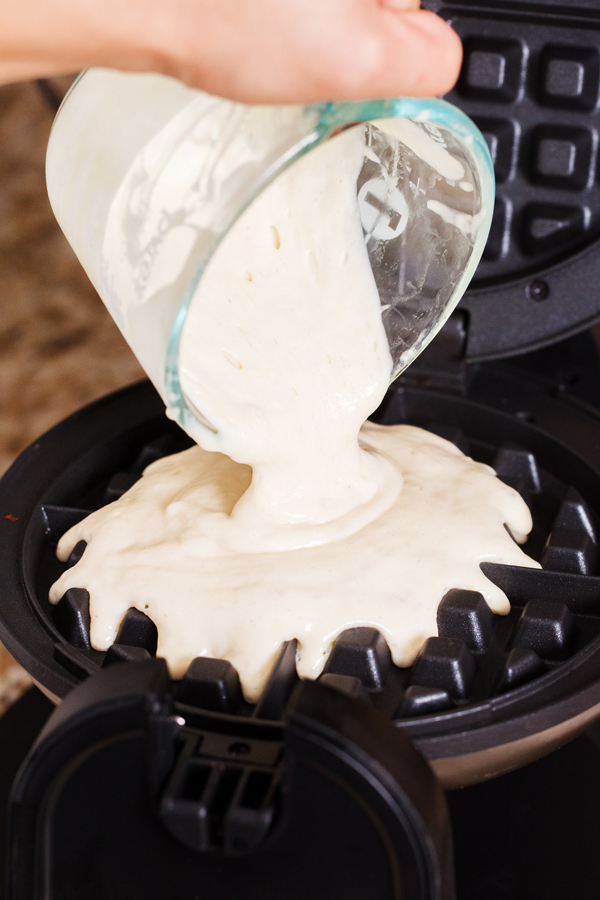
(257, 51)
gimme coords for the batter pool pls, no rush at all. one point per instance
(293, 519)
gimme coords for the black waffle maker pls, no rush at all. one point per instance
(139, 787)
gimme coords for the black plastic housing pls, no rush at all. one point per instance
(483, 682)
(186, 789)
(122, 798)
(530, 80)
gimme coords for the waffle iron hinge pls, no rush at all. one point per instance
(335, 785)
(442, 364)
(137, 795)
(221, 794)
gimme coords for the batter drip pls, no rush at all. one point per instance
(155, 549)
(290, 520)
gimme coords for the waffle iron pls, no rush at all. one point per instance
(141, 787)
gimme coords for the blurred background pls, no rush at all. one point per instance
(59, 348)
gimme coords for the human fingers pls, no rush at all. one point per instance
(399, 5)
(420, 53)
(292, 51)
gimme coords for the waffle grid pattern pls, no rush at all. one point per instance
(475, 657)
(530, 80)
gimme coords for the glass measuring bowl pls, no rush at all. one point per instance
(146, 177)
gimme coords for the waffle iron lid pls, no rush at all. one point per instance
(530, 80)
(132, 802)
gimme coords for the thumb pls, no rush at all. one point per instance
(421, 55)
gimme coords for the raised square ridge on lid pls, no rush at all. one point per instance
(568, 76)
(486, 70)
(556, 157)
(564, 78)
(561, 156)
(492, 69)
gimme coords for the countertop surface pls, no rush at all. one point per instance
(59, 348)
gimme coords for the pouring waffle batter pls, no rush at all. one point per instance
(291, 520)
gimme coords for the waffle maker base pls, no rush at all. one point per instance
(486, 695)
(531, 833)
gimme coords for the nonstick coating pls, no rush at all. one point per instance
(486, 695)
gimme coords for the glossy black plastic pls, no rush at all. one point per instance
(121, 797)
(490, 670)
(530, 80)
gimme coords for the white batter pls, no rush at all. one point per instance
(301, 530)
(285, 353)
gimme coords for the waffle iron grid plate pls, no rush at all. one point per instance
(530, 79)
(474, 684)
